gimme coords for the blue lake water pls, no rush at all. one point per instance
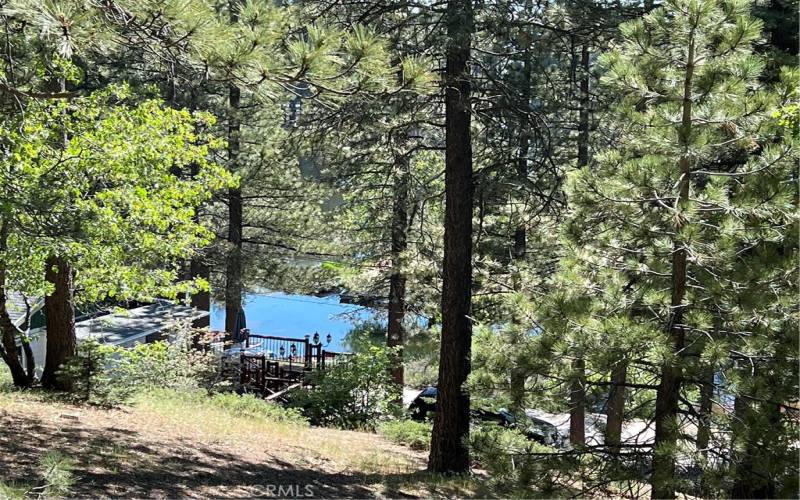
(287, 315)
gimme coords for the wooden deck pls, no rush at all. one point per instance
(270, 365)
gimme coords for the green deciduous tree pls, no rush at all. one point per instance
(109, 201)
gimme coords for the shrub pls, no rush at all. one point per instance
(106, 375)
(415, 435)
(90, 374)
(182, 363)
(351, 395)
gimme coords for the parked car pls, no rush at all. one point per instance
(424, 406)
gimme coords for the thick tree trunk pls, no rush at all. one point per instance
(397, 281)
(449, 451)
(60, 319)
(615, 408)
(233, 268)
(666, 432)
(577, 421)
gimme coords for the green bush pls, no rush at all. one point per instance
(180, 364)
(415, 435)
(107, 375)
(90, 373)
(352, 395)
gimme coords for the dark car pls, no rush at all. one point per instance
(424, 406)
(541, 431)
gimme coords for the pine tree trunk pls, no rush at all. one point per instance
(666, 432)
(518, 376)
(60, 320)
(615, 408)
(577, 420)
(395, 335)
(577, 403)
(200, 300)
(199, 268)
(704, 424)
(449, 451)
(233, 260)
(520, 234)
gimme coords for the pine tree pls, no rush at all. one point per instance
(661, 227)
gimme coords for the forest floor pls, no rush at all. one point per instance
(156, 448)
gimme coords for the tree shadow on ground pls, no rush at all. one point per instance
(110, 461)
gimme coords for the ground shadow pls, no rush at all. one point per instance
(120, 462)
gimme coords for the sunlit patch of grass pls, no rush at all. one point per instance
(259, 425)
(225, 418)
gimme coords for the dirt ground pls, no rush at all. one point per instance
(136, 452)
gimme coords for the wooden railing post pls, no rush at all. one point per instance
(242, 370)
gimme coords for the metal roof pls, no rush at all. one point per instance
(15, 305)
(134, 324)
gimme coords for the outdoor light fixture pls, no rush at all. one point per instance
(293, 349)
(329, 338)
(316, 337)
(282, 351)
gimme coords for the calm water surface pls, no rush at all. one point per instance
(287, 315)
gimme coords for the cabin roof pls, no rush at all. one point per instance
(15, 305)
(134, 324)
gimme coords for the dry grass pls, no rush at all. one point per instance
(184, 447)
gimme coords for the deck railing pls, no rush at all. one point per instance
(270, 363)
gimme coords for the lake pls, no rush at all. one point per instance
(287, 315)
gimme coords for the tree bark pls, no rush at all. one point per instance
(666, 432)
(200, 300)
(8, 349)
(577, 421)
(520, 233)
(449, 451)
(397, 281)
(60, 320)
(233, 261)
(577, 403)
(615, 408)
(704, 424)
